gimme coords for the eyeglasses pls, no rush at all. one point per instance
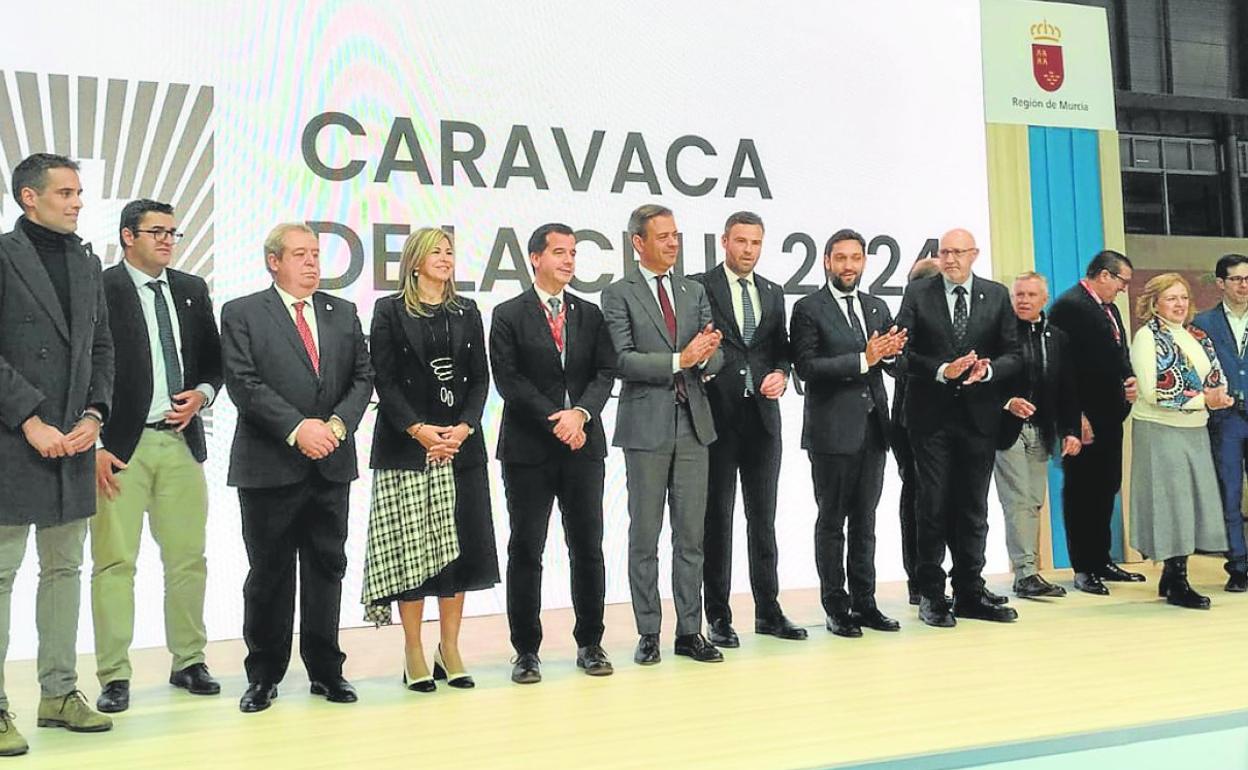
(161, 234)
(1124, 281)
(957, 253)
(1236, 280)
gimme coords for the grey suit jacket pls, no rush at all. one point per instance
(52, 369)
(647, 410)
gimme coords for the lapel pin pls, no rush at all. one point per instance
(981, 295)
(188, 301)
(328, 306)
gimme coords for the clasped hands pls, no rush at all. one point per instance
(886, 345)
(50, 443)
(701, 347)
(441, 442)
(569, 427)
(978, 368)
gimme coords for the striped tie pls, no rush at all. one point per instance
(748, 326)
(168, 346)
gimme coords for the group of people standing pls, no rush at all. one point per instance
(104, 374)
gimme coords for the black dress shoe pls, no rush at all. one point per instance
(1174, 586)
(1035, 586)
(647, 653)
(993, 598)
(196, 680)
(1115, 574)
(115, 697)
(843, 624)
(336, 690)
(1090, 584)
(722, 633)
(528, 669)
(594, 660)
(875, 620)
(935, 612)
(697, 647)
(978, 607)
(779, 627)
(259, 696)
(1237, 583)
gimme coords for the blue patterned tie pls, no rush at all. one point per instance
(168, 346)
(748, 326)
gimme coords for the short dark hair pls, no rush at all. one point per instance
(32, 172)
(1108, 260)
(742, 218)
(132, 215)
(537, 241)
(844, 234)
(643, 214)
(1223, 268)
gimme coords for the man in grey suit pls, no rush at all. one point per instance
(56, 386)
(661, 326)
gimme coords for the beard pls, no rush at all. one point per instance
(841, 286)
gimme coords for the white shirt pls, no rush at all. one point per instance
(1238, 324)
(161, 403)
(309, 315)
(738, 301)
(653, 285)
(838, 297)
(951, 298)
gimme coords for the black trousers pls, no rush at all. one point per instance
(847, 491)
(531, 491)
(953, 466)
(307, 520)
(749, 449)
(903, 453)
(1092, 480)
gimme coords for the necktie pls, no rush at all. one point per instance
(853, 320)
(959, 313)
(748, 326)
(305, 334)
(1243, 342)
(555, 320)
(669, 320)
(168, 346)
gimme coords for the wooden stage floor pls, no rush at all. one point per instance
(1075, 665)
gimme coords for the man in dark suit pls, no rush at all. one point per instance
(661, 328)
(1102, 367)
(168, 369)
(842, 340)
(553, 366)
(962, 341)
(297, 368)
(1042, 417)
(1227, 326)
(744, 397)
(56, 385)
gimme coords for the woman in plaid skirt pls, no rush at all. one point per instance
(430, 531)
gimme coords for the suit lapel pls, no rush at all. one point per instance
(327, 314)
(183, 304)
(81, 300)
(870, 315)
(571, 324)
(536, 316)
(942, 306)
(721, 294)
(641, 292)
(35, 275)
(130, 313)
(834, 312)
(286, 326)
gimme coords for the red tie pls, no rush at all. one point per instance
(669, 320)
(305, 334)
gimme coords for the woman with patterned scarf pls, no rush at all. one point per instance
(1175, 505)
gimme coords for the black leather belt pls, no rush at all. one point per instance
(160, 425)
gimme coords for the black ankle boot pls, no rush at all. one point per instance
(1177, 590)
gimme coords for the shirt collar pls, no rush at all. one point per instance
(838, 294)
(141, 278)
(648, 275)
(1088, 288)
(950, 285)
(289, 299)
(733, 276)
(545, 298)
(1231, 313)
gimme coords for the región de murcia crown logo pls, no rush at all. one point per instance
(1046, 56)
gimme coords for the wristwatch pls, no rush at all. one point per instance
(338, 428)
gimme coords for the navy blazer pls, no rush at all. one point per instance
(1234, 366)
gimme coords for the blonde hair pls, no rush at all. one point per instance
(1146, 303)
(416, 250)
(275, 241)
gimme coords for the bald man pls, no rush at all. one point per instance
(963, 342)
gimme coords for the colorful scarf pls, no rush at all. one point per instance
(1177, 380)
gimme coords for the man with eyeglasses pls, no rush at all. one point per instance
(1102, 365)
(1227, 326)
(152, 452)
(962, 343)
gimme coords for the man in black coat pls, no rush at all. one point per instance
(962, 342)
(843, 338)
(744, 398)
(1042, 418)
(1102, 366)
(553, 365)
(56, 385)
(151, 460)
(297, 368)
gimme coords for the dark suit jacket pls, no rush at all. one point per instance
(532, 378)
(404, 383)
(1100, 364)
(990, 332)
(271, 381)
(201, 356)
(50, 371)
(767, 352)
(828, 358)
(1059, 415)
(647, 409)
(1234, 366)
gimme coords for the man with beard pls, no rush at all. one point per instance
(842, 340)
